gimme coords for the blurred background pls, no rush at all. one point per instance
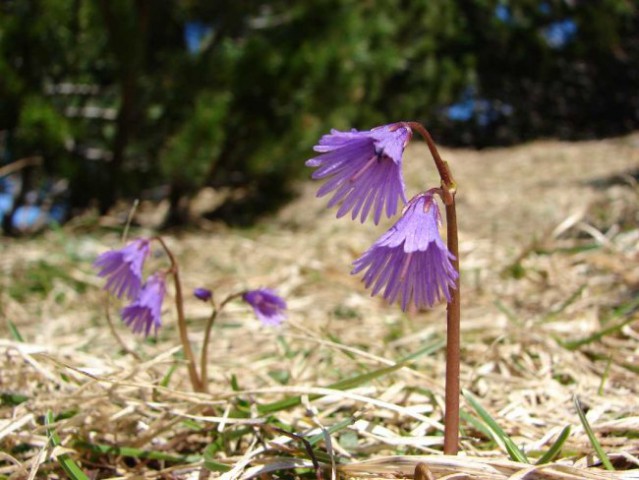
(108, 100)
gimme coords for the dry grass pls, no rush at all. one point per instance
(550, 255)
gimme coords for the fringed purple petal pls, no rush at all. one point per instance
(410, 263)
(145, 312)
(363, 170)
(123, 268)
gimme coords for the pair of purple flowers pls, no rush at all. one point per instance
(123, 270)
(363, 171)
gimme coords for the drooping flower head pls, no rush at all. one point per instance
(123, 268)
(203, 294)
(267, 305)
(410, 262)
(146, 310)
(363, 169)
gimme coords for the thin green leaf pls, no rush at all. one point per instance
(604, 377)
(192, 425)
(167, 378)
(331, 430)
(476, 424)
(234, 383)
(496, 431)
(622, 311)
(508, 312)
(569, 301)
(209, 461)
(214, 466)
(427, 350)
(595, 337)
(135, 453)
(68, 465)
(555, 448)
(15, 333)
(591, 435)
(630, 367)
(348, 383)
(12, 399)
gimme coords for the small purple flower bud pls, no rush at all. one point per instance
(146, 310)
(267, 305)
(203, 294)
(123, 268)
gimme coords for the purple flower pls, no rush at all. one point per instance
(268, 307)
(364, 169)
(146, 310)
(123, 268)
(410, 260)
(203, 294)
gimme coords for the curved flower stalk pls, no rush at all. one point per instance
(267, 305)
(410, 262)
(363, 169)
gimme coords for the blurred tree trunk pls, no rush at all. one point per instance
(127, 25)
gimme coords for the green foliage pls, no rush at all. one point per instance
(41, 128)
(591, 435)
(555, 448)
(270, 77)
(69, 466)
(192, 150)
(498, 434)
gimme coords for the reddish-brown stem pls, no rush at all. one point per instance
(453, 341)
(453, 310)
(442, 167)
(204, 358)
(196, 382)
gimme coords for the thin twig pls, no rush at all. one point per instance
(19, 165)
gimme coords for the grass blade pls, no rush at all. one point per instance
(135, 453)
(210, 463)
(348, 383)
(555, 448)
(476, 423)
(15, 333)
(68, 465)
(595, 337)
(624, 310)
(167, 378)
(604, 377)
(496, 431)
(339, 426)
(591, 436)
